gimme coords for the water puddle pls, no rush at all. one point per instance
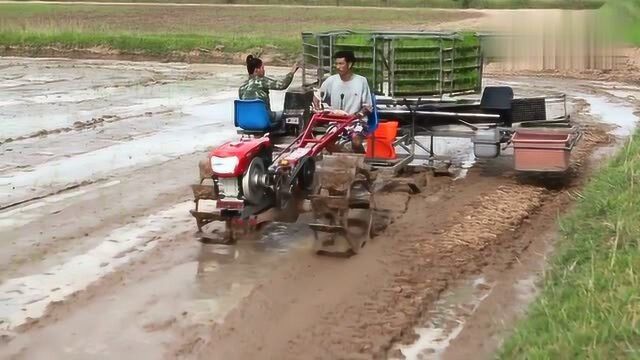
(447, 320)
(227, 274)
(615, 113)
(28, 296)
(526, 291)
(507, 299)
(632, 95)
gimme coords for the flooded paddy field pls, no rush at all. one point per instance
(100, 257)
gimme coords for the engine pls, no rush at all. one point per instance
(240, 169)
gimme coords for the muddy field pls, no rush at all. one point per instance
(100, 258)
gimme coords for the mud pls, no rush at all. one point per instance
(122, 115)
(99, 252)
(99, 53)
(483, 237)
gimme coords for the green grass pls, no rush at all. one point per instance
(154, 44)
(633, 35)
(623, 17)
(590, 304)
(160, 30)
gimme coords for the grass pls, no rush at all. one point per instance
(590, 304)
(633, 35)
(447, 4)
(158, 30)
(153, 44)
(623, 16)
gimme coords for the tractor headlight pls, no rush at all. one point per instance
(224, 165)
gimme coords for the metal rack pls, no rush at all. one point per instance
(400, 63)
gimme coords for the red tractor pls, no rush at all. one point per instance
(255, 181)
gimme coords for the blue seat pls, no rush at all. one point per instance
(252, 115)
(373, 119)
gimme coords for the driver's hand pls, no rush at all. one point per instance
(320, 108)
(339, 112)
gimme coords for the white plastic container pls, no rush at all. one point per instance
(486, 143)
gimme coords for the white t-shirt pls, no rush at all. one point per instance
(349, 96)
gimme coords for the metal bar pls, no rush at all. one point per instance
(440, 113)
(375, 72)
(394, 102)
(464, 68)
(330, 51)
(398, 166)
(448, 133)
(431, 147)
(304, 63)
(405, 147)
(320, 60)
(425, 157)
(393, 165)
(392, 78)
(419, 144)
(480, 60)
(413, 130)
(441, 71)
(386, 77)
(400, 139)
(453, 67)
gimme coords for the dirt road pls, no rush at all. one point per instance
(100, 260)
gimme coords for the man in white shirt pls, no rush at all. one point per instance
(347, 93)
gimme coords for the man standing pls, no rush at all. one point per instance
(349, 94)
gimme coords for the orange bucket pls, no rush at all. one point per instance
(380, 144)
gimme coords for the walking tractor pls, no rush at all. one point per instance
(253, 184)
(423, 86)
